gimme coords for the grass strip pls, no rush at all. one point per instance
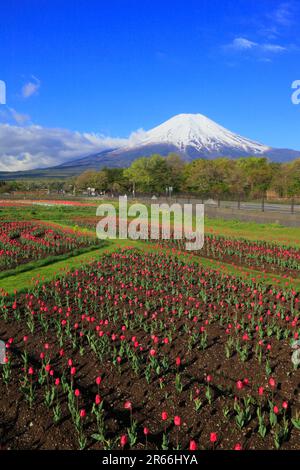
(31, 265)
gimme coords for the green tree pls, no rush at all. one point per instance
(149, 174)
(92, 179)
(257, 174)
(287, 181)
(176, 167)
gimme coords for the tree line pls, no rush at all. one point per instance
(222, 177)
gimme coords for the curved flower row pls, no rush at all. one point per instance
(258, 254)
(25, 241)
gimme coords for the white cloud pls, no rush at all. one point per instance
(12, 116)
(275, 27)
(31, 88)
(25, 148)
(137, 137)
(276, 48)
(19, 118)
(283, 14)
(242, 43)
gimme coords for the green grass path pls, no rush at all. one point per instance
(254, 231)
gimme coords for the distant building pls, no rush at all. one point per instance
(91, 191)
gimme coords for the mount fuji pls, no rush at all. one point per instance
(189, 135)
(197, 132)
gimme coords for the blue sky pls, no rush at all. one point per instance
(112, 67)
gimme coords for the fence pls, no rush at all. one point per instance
(259, 205)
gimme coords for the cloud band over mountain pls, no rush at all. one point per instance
(24, 148)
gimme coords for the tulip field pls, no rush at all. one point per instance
(140, 348)
(262, 255)
(21, 242)
(143, 346)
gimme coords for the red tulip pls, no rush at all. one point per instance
(239, 385)
(146, 431)
(123, 440)
(98, 380)
(164, 416)
(152, 352)
(260, 391)
(77, 393)
(276, 410)
(193, 445)
(272, 382)
(178, 361)
(73, 370)
(285, 405)
(238, 446)
(127, 405)
(213, 437)
(98, 399)
(177, 421)
(82, 413)
(30, 371)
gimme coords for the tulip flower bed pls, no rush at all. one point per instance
(263, 256)
(144, 351)
(21, 242)
(86, 222)
(48, 202)
(259, 255)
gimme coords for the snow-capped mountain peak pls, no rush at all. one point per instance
(199, 132)
(189, 135)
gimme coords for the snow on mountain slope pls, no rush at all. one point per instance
(196, 130)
